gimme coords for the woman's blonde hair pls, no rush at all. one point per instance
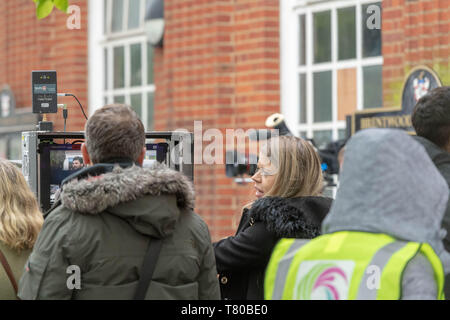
(298, 166)
(20, 217)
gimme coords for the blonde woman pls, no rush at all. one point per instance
(288, 187)
(20, 223)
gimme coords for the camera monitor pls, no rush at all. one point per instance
(48, 158)
(58, 161)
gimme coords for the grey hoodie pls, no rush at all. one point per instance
(390, 185)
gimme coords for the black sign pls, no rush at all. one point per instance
(419, 82)
(44, 91)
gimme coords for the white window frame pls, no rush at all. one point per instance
(99, 40)
(290, 10)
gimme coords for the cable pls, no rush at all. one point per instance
(65, 118)
(72, 95)
(65, 114)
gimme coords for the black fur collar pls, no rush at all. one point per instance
(291, 217)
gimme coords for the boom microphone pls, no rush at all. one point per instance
(275, 121)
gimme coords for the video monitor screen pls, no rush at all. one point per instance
(58, 161)
(156, 152)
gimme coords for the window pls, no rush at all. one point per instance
(339, 65)
(128, 58)
(10, 146)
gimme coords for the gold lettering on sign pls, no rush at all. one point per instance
(403, 121)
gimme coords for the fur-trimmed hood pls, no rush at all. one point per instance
(291, 217)
(149, 198)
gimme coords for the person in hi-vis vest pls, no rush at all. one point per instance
(382, 238)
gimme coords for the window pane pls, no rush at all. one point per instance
(321, 138)
(133, 14)
(322, 96)
(14, 147)
(119, 67)
(371, 26)
(149, 64)
(346, 92)
(373, 88)
(136, 65)
(117, 15)
(119, 99)
(105, 16)
(136, 104)
(150, 111)
(302, 40)
(322, 36)
(342, 134)
(3, 147)
(347, 33)
(302, 93)
(105, 65)
(302, 134)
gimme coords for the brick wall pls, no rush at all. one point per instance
(28, 44)
(414, 33)
(219, 64)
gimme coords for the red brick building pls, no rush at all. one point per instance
(228, 63)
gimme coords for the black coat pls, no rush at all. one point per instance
(242, 259)
(441, 160)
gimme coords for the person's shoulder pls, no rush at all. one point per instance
(57, 214)
(433, 150)
(418, 282)
(65, 220)
(192, 220)
(193, 226)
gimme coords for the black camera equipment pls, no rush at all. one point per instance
(47, 160)
(238, 164)
(44, 90)
(329, 156)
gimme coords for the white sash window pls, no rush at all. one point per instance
(331, 64)
(121, 59)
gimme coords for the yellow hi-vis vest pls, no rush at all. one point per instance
(345, 265)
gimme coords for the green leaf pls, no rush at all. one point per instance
(62, 5)
(44, 8)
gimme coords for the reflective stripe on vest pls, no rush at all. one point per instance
(284, 265)
(372, 273)
(380, 259)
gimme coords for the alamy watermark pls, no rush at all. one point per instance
(74, 20)
(374, 278)
(374, 20)
(214, 146)
(74, 280)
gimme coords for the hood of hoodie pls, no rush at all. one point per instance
(149, 199)
(299, 217)
(389, 185)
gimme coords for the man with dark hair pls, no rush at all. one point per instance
(77, 163)
(431, 120)
(94, 244)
